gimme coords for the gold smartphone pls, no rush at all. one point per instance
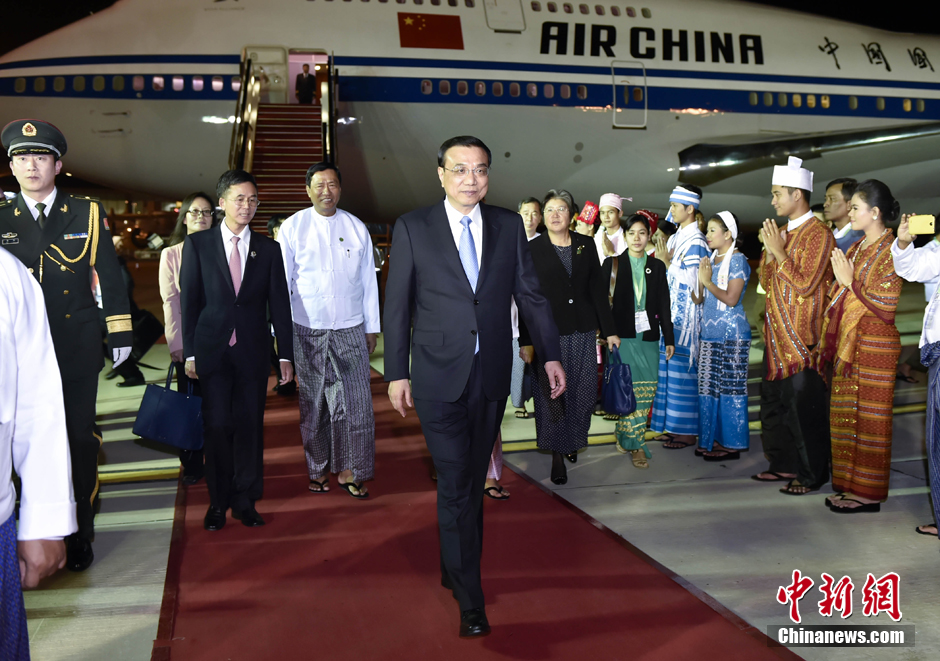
(921, 224)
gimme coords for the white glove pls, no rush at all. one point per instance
(119, 355)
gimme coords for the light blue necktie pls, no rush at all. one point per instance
(468, 258)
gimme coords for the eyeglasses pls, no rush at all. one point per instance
(549, 210)
(244, 202)
(205, 213)
(463, 171)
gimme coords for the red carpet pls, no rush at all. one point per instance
(330, 577)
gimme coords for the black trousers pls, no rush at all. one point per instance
(80, 396)
(460, 436)
(794, 415)
(192, 460)
(233, 422)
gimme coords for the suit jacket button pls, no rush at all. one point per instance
(68, 316)
(66, 292)
(570, 300)
(30, 270)
(476, 302)
(473, 332)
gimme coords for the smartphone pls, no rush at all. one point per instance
(921, 224)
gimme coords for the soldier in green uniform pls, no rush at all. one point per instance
(61, 238)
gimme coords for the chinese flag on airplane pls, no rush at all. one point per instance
(430, 31)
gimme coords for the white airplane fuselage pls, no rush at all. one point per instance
(708, 72)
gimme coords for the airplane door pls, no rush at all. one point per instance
(269, 63)
(504, 15)
(629, 89)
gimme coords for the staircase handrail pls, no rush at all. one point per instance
(241, 153)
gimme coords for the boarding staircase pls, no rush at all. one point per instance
(277, 142)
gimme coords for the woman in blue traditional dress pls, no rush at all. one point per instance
(724, 346)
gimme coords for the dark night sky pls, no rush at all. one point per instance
(901, 17)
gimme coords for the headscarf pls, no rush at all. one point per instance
(685, 197)
(724, 270)
(653, 219)
(611, 200)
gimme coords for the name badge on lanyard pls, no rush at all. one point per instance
(642, 321)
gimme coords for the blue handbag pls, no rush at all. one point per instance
(170, 417)
(618, 386)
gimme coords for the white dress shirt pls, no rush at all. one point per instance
(33, 439)
(330, 268)
(31, 204)
(244, 240)
(920, 265)
(476, 228)
(793, 224)
(616, 239)
(930, 286)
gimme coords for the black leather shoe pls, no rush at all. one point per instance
(573, 457)
(111, 375)
(78, 553)
(192, 478)
(473, 624)
(215, 519)
(249, 517)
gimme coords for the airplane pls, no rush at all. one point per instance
(593, 97)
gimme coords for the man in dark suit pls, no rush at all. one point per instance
(454, 267)
(62, 239)
(229, 278)
(305, 89)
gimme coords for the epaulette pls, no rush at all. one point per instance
(5, 202)
(85, 197)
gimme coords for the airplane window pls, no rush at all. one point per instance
(444, 87)
(752, 97)
(647, 13)
(452, 3)
(217, 83)
(853, 103)
(39, 85)
(177, 83)
(426, 87)
(810, 100)
(582, 91)
(78, 83)
(532, 90)
(768, 99)
(880, 103)
(568, 8)
(552, 7)
(58, 84)
(536, 6)
(157, 83)
(513, 89)
(920, 105)
(497, 89)
(584, 9)
(480, 88)
(599, 9)
(97, 83)
(117, 83)
(197, 83)
(137, 83)
(631, 12)
(824, 100)
(419, 2)
(797, 100)
(436, 3)
(236, 84)
(638, 94)
(20, 85)
(782, 100)
(615, 11)
(548, 90)
(462, 87)
(401, 2)
(566, 91)
(907, 105)
(469, 3)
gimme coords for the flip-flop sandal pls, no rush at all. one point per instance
(905, 379)
(673, 444)
(777, 477)
(322, 484)
(522, 414)
(789, 489)
(599, 411)
(503, 495)
(349, 486)
(725, 455)
(862, 507)
(612, 416)
(663, 438)
(833, 498)
(924, 532)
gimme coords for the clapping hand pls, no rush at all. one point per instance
(842, 268)
(705, 271)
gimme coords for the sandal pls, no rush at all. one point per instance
(639, 459)
(673, 444)
(833, 498)
(522, 414)
(503, 494)
(321, 485)
(612, 416)
(722, 455)
(794, 488)
(349, 486)
(598, 410)
(905, 378)
(777, 477)
(920, 529)
(862, 507)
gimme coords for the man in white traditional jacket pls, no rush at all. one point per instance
(334, 297)
(34, 443)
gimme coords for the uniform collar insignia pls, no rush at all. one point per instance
(29, 130)
(16, 212)
(10, 235)
(65, 208)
